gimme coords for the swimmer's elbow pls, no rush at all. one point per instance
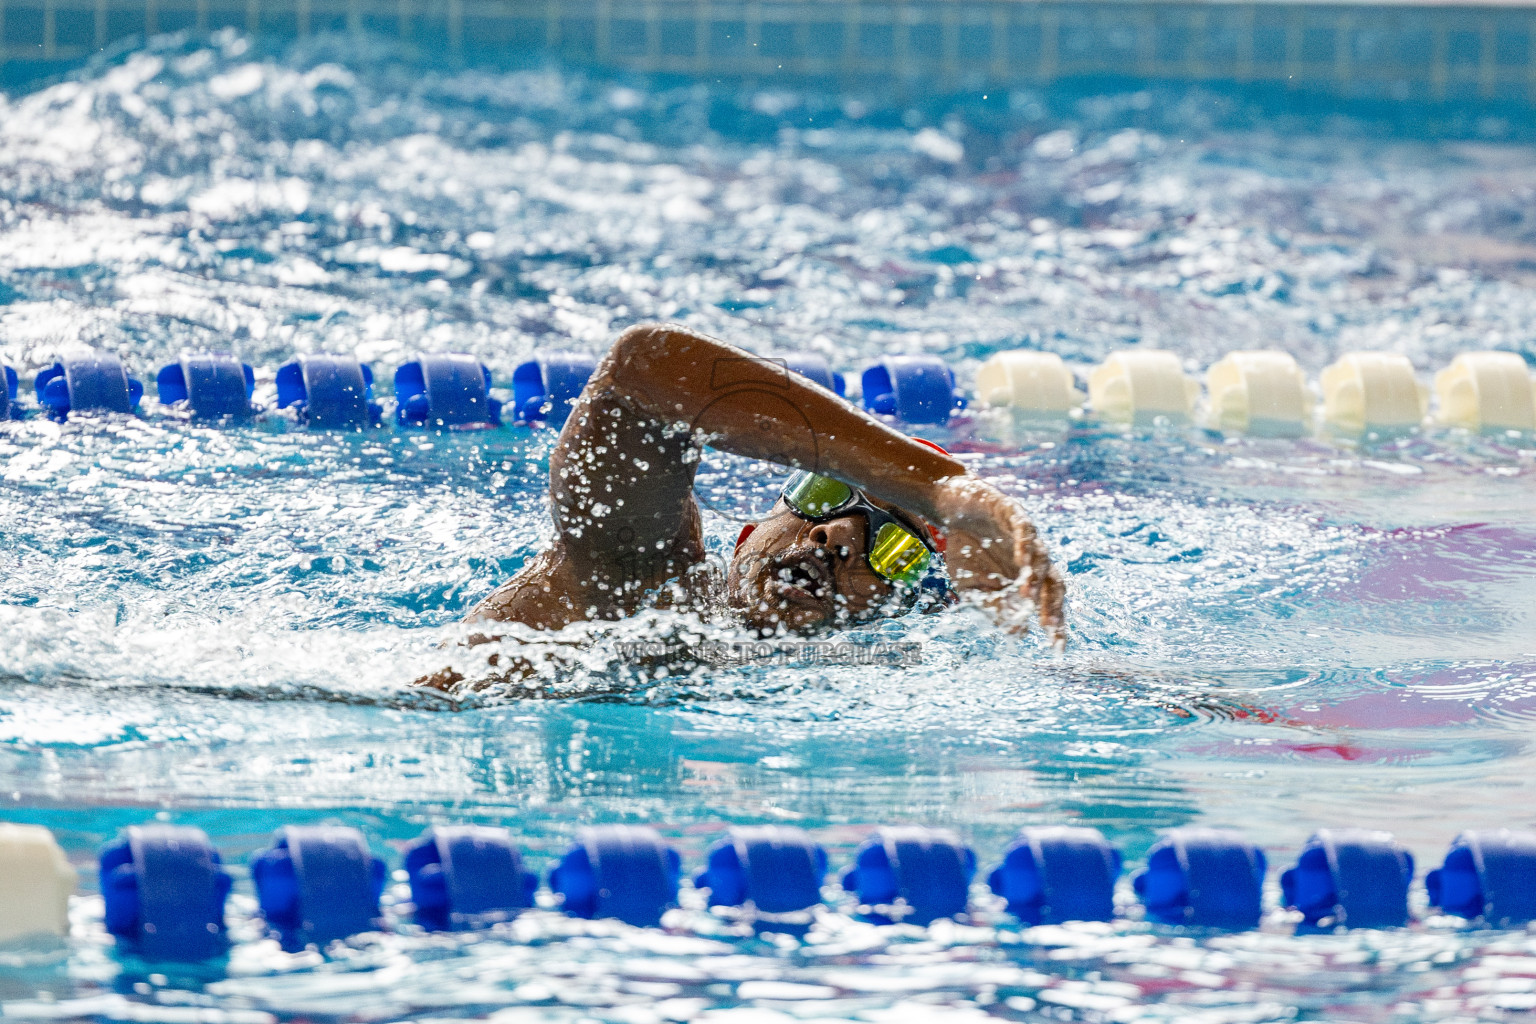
(657, 355)
(635, 351)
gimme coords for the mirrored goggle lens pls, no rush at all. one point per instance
(813, 495)
(898, 555)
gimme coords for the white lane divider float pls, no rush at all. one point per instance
(35, 883)
(1034, 383)
(1373, 391)
(1139, 386)
(1487, 391)
(1259, 392)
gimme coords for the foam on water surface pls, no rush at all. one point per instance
(1270, 635)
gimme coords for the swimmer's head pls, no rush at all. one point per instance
(792, 574)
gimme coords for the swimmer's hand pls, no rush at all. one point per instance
(992, 548)
(499, 670)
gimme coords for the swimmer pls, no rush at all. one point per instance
(872, 521)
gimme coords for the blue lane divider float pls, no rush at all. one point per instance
(164, 890)
(467, 875)
(928, 870)
(544, 387)
(913, 389)
(776, 868)
(1349, 877)
(317, 883)
(85, 380)
(1058, 873)
(329, 392)
(1206, 877)
(210, 385)
(8, 386)
(1489, 875)
(816, 368)
(445, 389)
(621, 871)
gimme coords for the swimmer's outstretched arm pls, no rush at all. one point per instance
(621, 482)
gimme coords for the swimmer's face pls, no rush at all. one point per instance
(793, 575)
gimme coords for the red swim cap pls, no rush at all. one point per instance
(938, 448)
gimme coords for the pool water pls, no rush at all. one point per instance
(217, 626)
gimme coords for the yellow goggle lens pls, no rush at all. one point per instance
(815, 495)
(898, 555)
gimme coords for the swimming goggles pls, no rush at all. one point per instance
(897, 550)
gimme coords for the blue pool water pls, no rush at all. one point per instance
(216, 626)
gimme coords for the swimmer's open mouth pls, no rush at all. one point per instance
(803, 579)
